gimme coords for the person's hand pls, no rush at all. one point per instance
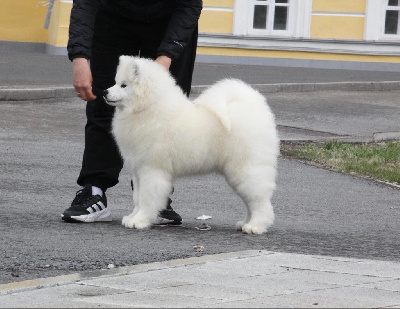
(83, 79)
(164, 61)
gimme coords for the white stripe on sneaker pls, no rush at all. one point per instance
(102, 215)
(99, 206)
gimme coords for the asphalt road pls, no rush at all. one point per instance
(317, 211)
(47, 70)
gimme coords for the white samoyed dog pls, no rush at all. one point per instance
(161, 134)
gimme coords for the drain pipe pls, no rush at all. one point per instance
(48, 15)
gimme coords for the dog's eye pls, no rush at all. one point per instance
(123, 85)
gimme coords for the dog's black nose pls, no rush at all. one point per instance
(105, 93)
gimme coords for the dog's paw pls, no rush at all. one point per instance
(134, 223)
(124, 220)
(254, 228)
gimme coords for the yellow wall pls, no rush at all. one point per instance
(59, 23)
(219, 3)
(338, 19)
(348, 6)
(23, 21)
(216, 21)
(337, 27)
(217, 16)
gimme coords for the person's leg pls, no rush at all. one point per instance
(102, 163)
(151, 36)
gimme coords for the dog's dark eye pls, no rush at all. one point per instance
(123, 85)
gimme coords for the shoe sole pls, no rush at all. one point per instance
(98, 216)
(163, 221)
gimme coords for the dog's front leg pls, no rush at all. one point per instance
(153, 189)
(135, 197)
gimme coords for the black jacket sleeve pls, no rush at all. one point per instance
(180, 28)
(81, 26)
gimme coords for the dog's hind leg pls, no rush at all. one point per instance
(154, 187)
(261, 218)
(255, 185)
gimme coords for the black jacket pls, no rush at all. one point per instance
(184, 18)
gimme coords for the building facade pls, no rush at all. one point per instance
(354, 34)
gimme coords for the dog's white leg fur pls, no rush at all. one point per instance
(254, 184)
(153, 190)
(135, 196)
(262, 217)
(239, 224)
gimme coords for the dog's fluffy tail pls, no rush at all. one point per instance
(218, 97)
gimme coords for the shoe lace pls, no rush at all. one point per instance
(82, 197)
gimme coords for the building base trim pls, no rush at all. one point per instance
(302, 63)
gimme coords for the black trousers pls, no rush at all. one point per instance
(113, 36)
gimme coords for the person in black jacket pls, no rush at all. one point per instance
(101, 31)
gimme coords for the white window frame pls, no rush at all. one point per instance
(271, 5)
(375, 19)
(299, 19)
(392, 8)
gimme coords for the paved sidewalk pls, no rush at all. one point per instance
(247, 279)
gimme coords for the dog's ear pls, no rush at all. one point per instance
(131, 65)
(124, 60)
(135, 70)
(138, 77)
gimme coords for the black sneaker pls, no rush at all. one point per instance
(87, 207)
(167, 215)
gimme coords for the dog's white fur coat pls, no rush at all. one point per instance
(162, 135)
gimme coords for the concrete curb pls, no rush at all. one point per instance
(375, 138)
(306, 87)
(27, 285)
(25, 94)
(39, 93)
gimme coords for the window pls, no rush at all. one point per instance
(392, 10)
(382, 20)
(271, 15)
(288, 18)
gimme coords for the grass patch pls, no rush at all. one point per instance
(379, 161)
